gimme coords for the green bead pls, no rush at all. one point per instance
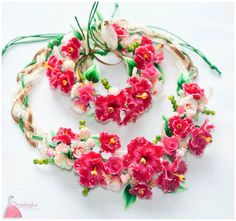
(35, 161)
(40, 162)
(171, 98)
(158, 137)
(56, 42)
(50, 45)
(104, 81)
(45, 161)
(85, 191)
(213, 112)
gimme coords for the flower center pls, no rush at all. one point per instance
(94, 172)
(207, 139)
(143, 96)
(110, 109)
(143, 160)
(47, 66)
(64, 82)
(180, 176)
(179, 126)
(112, 140)
(145, 56)
(70, 49)
(141, 192)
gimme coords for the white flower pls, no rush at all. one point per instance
(190, 105)
(68, 64)
(109, 35)
(113, 91)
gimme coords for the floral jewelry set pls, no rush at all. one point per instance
(68, 61)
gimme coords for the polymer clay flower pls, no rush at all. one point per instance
(151, 73)
(120, 31)
(114, 165)
(179, 127)
(91, 169)
(64, 135)
(142, 190)
(71, 49)
(170, 144)
(110, 143)
(66, 81)
(194, 90)
(143, 159)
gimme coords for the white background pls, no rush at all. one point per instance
(209, 194)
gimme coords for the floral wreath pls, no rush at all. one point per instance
(68, 62)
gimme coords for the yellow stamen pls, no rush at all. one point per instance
(179, 126)
(94, 172)
(145, 56)
(181, 177)
(70, 49)
(143, 160)
(141, 192)
(112, 140)
(143, 96)
(207, 139)
(64, 82)
(110, 109)
(46, 65)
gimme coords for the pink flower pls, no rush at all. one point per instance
(151, 73)
(109, 142)
(143, 158)
(179, 126)
(66, 81)
(142, 190)
(178, 166)
(145, 41)
(84, 133)
(159, 56)
(90, 169)
(144, 55)
(78, 151)
(64, 135)
(171, 144)
(71, 49)
(62, 161)
(120, 31)
(168, 181)
(115, 184)
(114, 166)
(194, 90)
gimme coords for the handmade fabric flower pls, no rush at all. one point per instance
(66, 81)
(143, 158)
(170, 144)
(71, 49)
(194, 90)
(90, 169)
(78, 151)
(114, 166)
(179, 126)
(64, 135)
(110, 143)
(120, 31)
(142, 190)
(145, 41)
(114, 184)
(151, 73)
(178, 166)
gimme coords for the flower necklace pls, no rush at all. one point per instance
(68, 61)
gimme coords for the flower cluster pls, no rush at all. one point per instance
(126, 105)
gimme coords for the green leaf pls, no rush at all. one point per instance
(96, 140)
(130, 64)
(166, 127)
(181, 188)
(183, 78)
(99, 16)
(76, 33)
(92, 74)
(129, 199)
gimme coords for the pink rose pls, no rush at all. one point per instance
(151, 73)
(171, 144)
(77, 151)
(114, 166)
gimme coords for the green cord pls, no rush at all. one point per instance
(190, 47)
(115, 10)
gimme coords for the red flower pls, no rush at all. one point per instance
(200, 138)
(171, 144)
(66, 81)
(120, 31)
(109, 107)
(143, 158)
(178, 166)
(64, 135)
(53, 70)
(90, 169)
(71, 49)
(168, 181)
(144, 55)
(109, 142)
(145, 41)
(194, 90)
(151, 73)
(114, 166)
(179, 126)
(142, 190)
